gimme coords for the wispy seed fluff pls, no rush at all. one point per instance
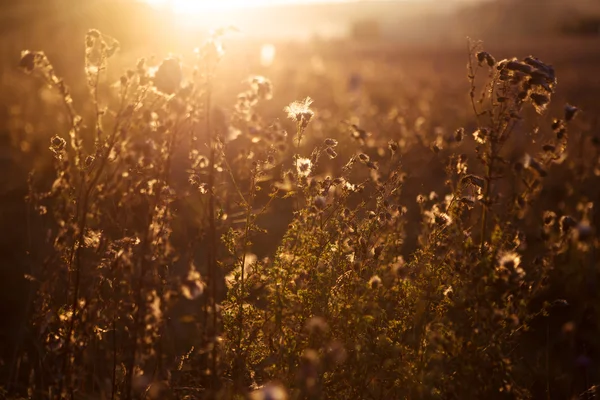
(300, 111)
(303, 166)
(374, 282)
(510, 261)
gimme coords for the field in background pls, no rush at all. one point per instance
(412, 92)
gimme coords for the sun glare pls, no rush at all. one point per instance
(199, 6)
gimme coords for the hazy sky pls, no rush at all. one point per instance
(187, 6)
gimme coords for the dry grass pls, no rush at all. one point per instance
(420, 230)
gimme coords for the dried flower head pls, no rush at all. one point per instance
(300, 111)
(168, 77)
(510, 260)
(57, 146)
(331, 152)
(374, 282)
(331, 142)
(303, 166)
(570, 112)
(484, 56)
(509, 265)
(262, 87)
(481, 135)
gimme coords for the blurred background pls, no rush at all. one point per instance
(407, 54)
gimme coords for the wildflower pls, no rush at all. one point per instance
(484, 56)
(508, 264)
(92, 238)
(393, 146)
(300, 111)
(57, 144)
(480, 135)
(541, 67)
(510, 260)
(374, 282)
(303, 166)
(540, 101)
(331, 142)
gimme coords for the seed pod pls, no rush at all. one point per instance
(540, 99)
(331, 153)
(363, 157)
(331, 142)
(518, 66)
(570, 112)
(487, 57)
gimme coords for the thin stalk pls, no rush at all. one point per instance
(212, 226)
(486, 194)
(114, 366)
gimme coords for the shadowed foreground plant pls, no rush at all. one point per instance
(156, 288)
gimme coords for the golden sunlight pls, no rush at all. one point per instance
(199, 6)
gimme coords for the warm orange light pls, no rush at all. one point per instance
(199, 6)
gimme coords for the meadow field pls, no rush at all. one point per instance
(320, 219)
